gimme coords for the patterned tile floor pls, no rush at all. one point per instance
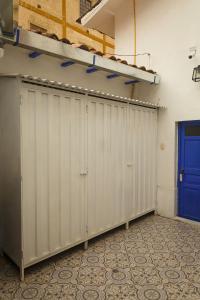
(156, 259)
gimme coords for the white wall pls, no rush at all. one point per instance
(124, 30)
(167, 29)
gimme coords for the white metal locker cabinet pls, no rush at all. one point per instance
(52, 158)
(76, 165)
(107, 122)
(141, 174)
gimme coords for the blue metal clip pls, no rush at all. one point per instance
(91, 69)
(154, 80)
(34, 54)
(94, 59)
(17, 35)
(113, 75)
(131, 82)
(67, 64)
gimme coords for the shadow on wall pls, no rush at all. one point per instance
(148, 92)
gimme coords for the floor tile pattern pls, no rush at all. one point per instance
(156, 259)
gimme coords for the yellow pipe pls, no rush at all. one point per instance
(104, 43)
(64, 17)
(135, 32)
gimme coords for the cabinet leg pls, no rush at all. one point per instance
(86, 245)
(22, 273)
(127, 225)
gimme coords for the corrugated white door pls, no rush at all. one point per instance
(53, 156)
(107, 139)
(141, 157)
(87, 163)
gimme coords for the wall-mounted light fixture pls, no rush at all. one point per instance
(196, 74)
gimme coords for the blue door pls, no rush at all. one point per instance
(189, 170)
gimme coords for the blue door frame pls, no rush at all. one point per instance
(189, 170)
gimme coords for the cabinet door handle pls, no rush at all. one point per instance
(84, 173)
(129, 165)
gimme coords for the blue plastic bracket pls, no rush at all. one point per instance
(67, 64)
(154, 80)
(17, 34)
(113, 75)
(131, 81)
(91, 69)
(94, 59)
(34, 54)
